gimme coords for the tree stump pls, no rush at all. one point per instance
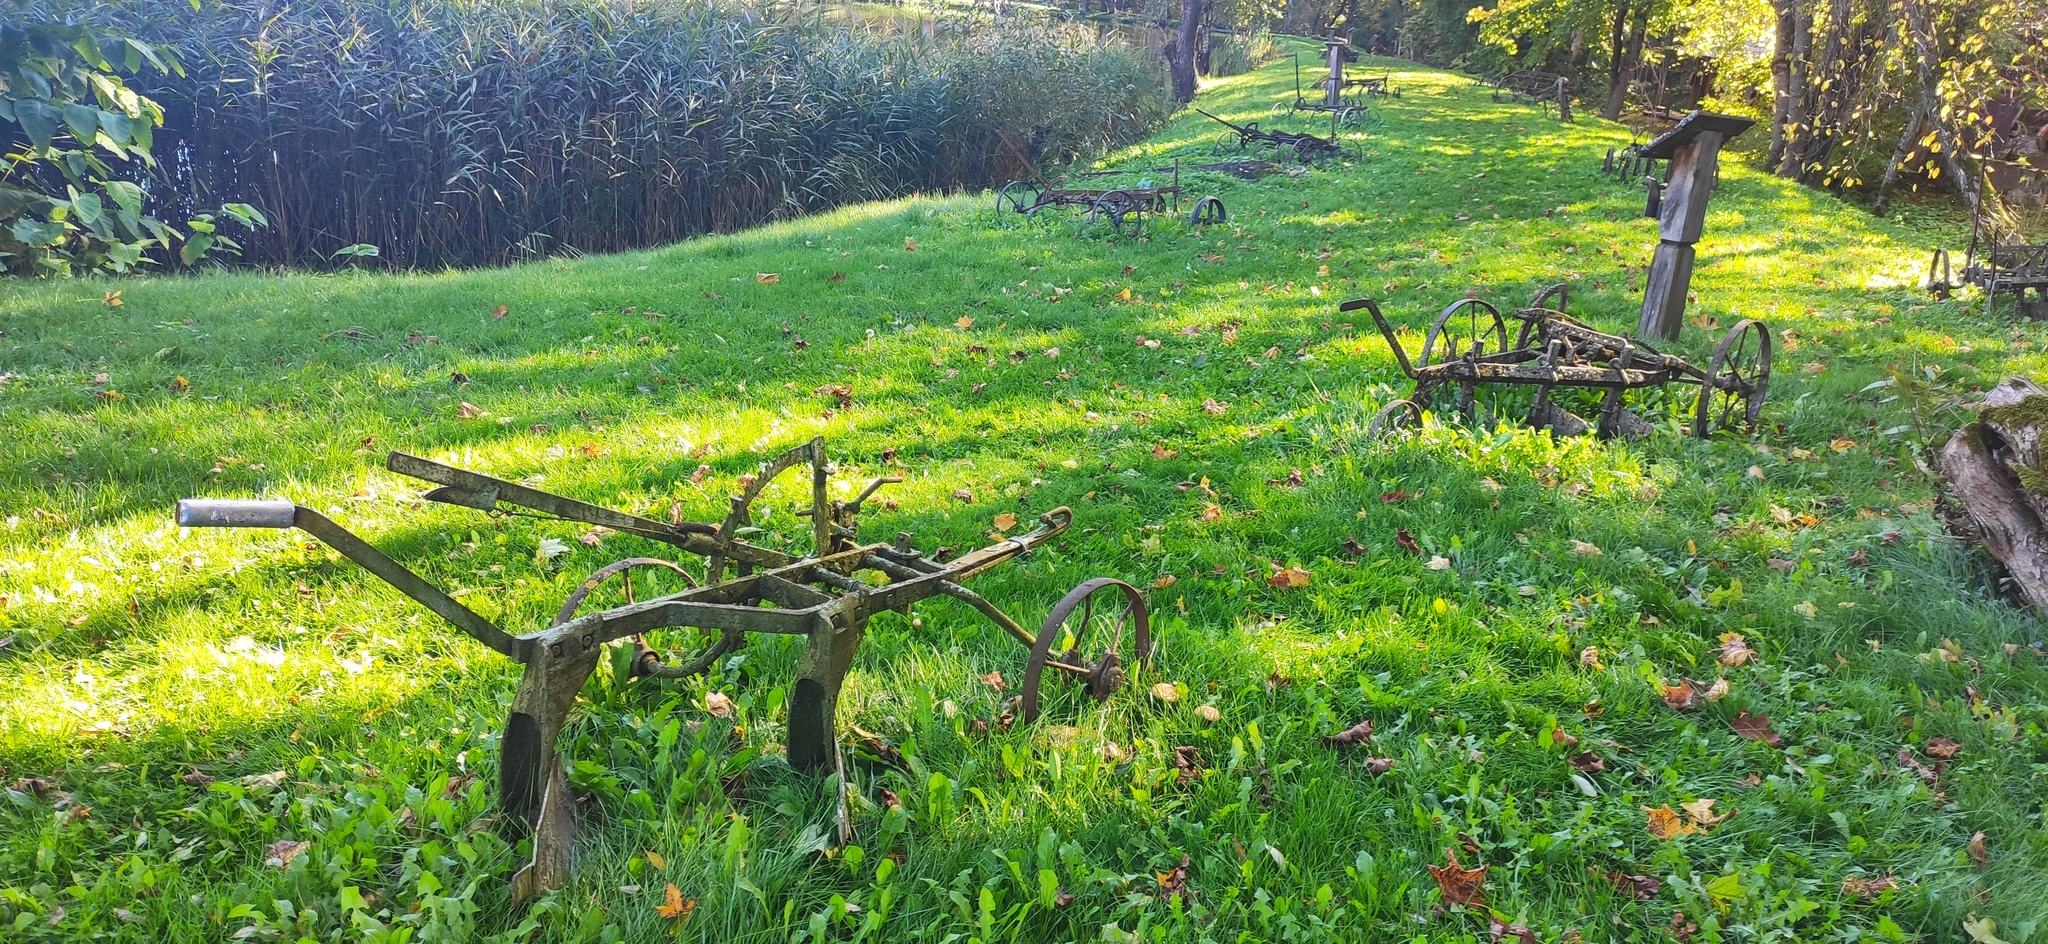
(1994, 467)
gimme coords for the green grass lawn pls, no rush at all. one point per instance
(181, 710)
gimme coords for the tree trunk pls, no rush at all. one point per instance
(1993, 466)
(1920, 26)
(1617, 69)
(1907, 139)
(1180, 51)
(1786, 15)
(1627, 56)
(1797, 100)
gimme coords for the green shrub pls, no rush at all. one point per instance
(452, 132)
(74, 134)
(1236, 55)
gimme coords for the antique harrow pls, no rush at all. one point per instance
(1468, 346)
(1123, 208)
(1301, 146)
(827, 597)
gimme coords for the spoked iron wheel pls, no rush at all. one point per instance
(1467, 324)
(1123, 212)
(645, 660)
(1208, 210)
(1400, 414)
(1229, 142)
(1105, 616)
(1017, 196)
(1736, 379)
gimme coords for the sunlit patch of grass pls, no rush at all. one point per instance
(138, 654)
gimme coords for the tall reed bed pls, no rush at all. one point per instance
(458, 132)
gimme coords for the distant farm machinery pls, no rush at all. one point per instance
(1467, 347)
(1122, 208)
(1297, 146)
(827, 597)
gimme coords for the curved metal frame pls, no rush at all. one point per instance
(1105, 675)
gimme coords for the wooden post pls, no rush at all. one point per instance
(1693, 147)
(1333, 86)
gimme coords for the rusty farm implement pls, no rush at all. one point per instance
(742, 588)
(1467, 347)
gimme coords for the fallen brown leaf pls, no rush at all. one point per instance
(1289, 577)
(673, 906)
(719, 704)
(1406, 541)
(1174, 883)
(1756, 728)
(279, 854)
(1979, 857)
(1702, 813)
(1943, 748)
(1005, 521)
(995, 680)
(1588, 762)
(767, 278)
(1868, 889)
(1187, 763)
(1359, 733)
(1497, 932)
(1459, 886)
(1734, 650)
(1638, 887)
(1664, 823)
(470, 411)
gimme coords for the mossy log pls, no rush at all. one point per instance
(1994, 468)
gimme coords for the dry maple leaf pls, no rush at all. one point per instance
(1406, 541)
(1160, 451)
(1397, 495)
(1005, 521)
(1588, 762)
(767, 278)
(1377, 766)
(836, 277)
(499, 312)
(1289, 577)
(470, 411)
(842, 392)
(1358, 733)
(909, 244)
(1716, 691)
(1943, 748)
(995, 681)
(1212, 512)
(1164, 691)
(673, 906)
(1497, 932)
(1868, 889)
(1187, 763)
(1353, 548)
(1460, 886)
(279, 854)
(963, 495)
(1062, 898)
(1734, 650)
(1756, 728)
(1589, 657)
(1586, 549)
(1164, 581)
(1563, 739)
(1978, 856)
(1665, 824)
(1683, 696)
(1174, 884)
(1213, 408)
(1638, 887)
(1702, 813)
(719, 704)
(963, 322)
(1912, 764)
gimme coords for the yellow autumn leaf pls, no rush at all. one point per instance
(767, 278)
(1005, 521)
(1665, 824)
(673, 907)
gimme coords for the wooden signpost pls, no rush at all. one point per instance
(1693, 148)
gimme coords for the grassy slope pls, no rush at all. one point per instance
(138, 653)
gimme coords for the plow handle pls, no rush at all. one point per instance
(1386, 331)
(231, 513)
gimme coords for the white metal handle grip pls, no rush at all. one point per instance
(233, 513)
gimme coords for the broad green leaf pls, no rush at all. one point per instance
(194, 248)
(36, 232)
(38, 120)
(126, 195)
(117, 126)
(87, 206)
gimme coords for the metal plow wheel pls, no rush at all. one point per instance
(1400, 414)
(1736, 379)
(1208, 211)
(1112, 621)
(1017, 196)
(1124, 213)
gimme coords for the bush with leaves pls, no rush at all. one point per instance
(74, 135)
